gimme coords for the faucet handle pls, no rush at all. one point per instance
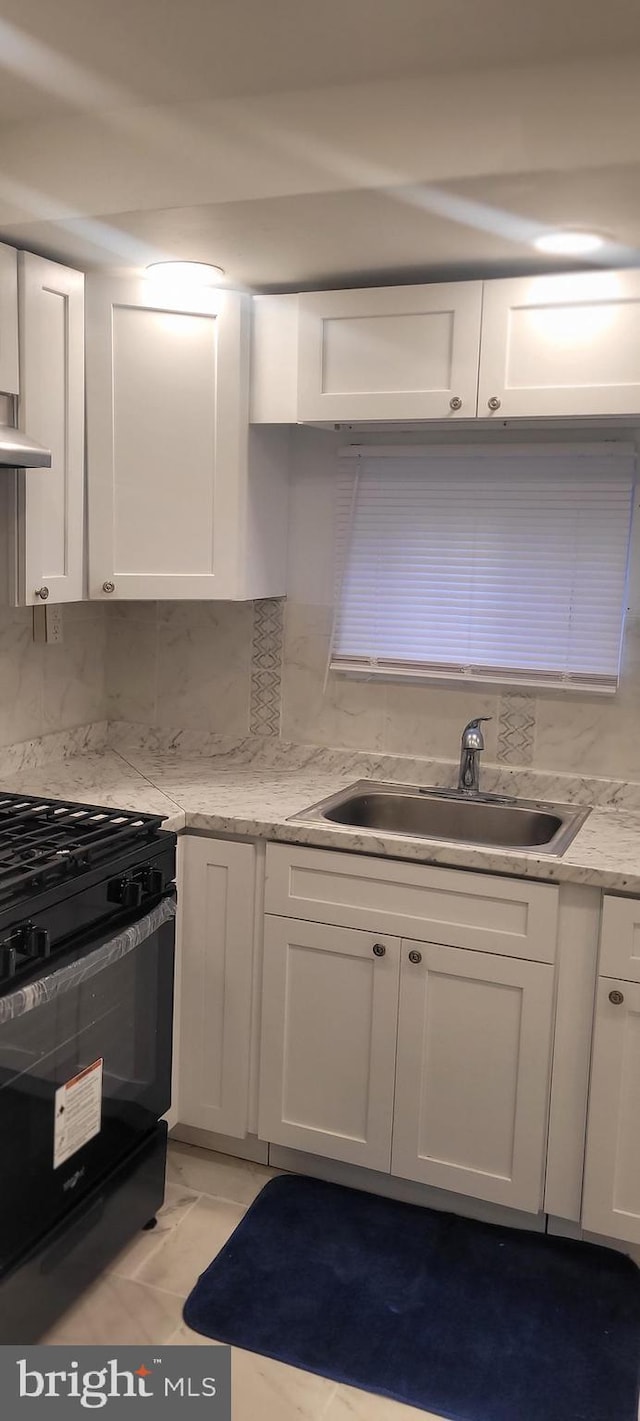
(472, 737)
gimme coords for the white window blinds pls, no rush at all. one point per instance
(504, 564)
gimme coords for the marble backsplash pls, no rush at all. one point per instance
(45, 690)
(193, 667)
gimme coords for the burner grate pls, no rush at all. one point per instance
(43, 841)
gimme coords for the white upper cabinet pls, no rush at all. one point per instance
(535, 346)
(398, 352)
(50, 512)
(181, 503)
(8, 320)
(561, 345)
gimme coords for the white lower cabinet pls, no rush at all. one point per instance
(329, 1017)
(472, 1083)
(438, 1073)
(217, 937)
(611, 1200)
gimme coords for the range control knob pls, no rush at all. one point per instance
(125, 891)
(7, 961)
(152, 880)
(34, 942)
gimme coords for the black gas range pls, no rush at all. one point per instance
(87, 931)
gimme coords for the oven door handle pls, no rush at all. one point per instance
(65, 979)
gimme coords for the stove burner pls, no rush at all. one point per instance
(45, 841)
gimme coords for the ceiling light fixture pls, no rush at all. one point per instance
(569, 243)
(185, 274)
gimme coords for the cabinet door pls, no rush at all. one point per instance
(472, 1088)
(611, 1199)
(51, 501)
(8, 320)
(396, 352)
(561, 345)
(329, 1019)
(167, 408)
(216, 937)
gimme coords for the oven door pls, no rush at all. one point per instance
(85, 1071)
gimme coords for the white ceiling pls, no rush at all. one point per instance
(300, 143)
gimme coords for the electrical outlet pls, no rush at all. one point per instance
(54, 625)
(48, 625)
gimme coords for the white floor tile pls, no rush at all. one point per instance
(192, 1246)
(178, 1201)
(217, 1175)
(350, 1404)
(117, 1310)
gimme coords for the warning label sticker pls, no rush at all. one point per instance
(78, 1112)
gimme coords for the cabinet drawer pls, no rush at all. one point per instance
(478, 911)
(620, 939)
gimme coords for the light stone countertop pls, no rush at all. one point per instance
(251, 788)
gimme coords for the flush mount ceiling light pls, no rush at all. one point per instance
(185, 274)
(569, 243)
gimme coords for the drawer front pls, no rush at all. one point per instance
(620, 939)
(441, 905)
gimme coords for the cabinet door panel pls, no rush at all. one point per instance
(217, 934)
(328, 1041)
(561, 345)
(474, 1042)
(9, 382)
(398, 352)
(51, 501)
(167, 399)
(611, 1200)
(620, 938)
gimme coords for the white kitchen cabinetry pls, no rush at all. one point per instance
(561, 345)
(182, 502)
(216, 975)
(394, 352)
(611, 1200)
(535, 346)
(49, 513)
(329, 1016)
(9, 382)
(472, 1084)
(467, 1043)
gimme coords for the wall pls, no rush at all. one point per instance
(55, 687)
(229, 668)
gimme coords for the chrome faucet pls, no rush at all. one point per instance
(471, 747)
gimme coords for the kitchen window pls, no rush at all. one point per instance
(502, 564)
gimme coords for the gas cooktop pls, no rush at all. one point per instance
(43, 841)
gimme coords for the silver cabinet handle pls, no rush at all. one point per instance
(494, 403)
(616, 998)
(42, 592)
(108, 587)
(415, 956)
(455, 403)
(379, 949)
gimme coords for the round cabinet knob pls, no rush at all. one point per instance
(415, 956)
(616, 998)
(455, 403)
(494, 403)
(379, 949)
(108, 587)
(42, 592)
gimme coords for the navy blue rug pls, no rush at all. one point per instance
(471, 1321)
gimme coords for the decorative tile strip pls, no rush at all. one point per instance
(266, 667)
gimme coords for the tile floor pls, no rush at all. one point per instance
(140, 1298)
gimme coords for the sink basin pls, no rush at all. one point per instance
(459, 817)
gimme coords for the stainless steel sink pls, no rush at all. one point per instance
(457, 816)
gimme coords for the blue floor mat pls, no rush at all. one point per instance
(469, 1320)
